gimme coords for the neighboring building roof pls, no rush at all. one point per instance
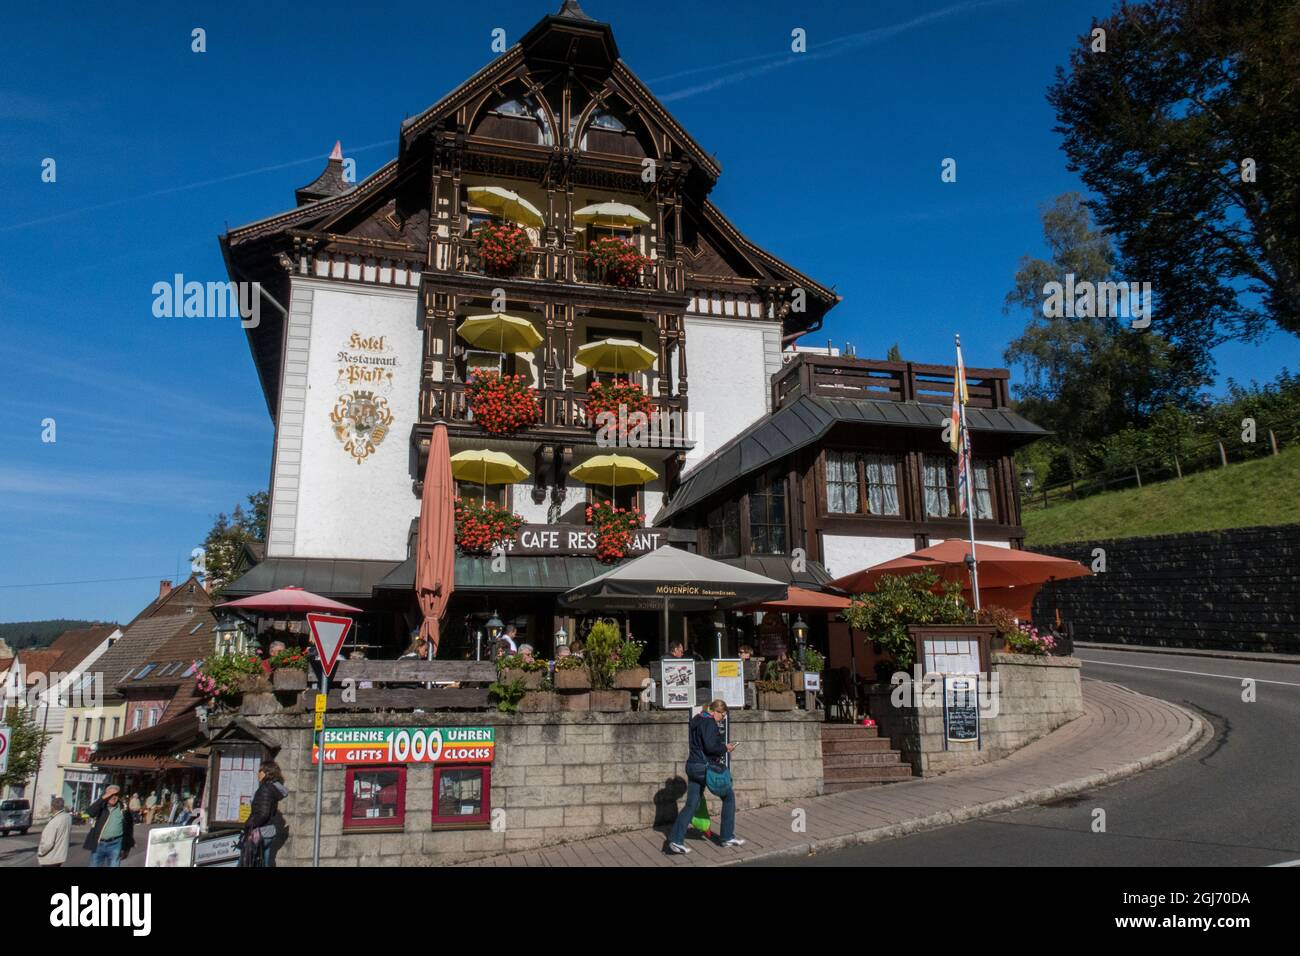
(75, 646)
(35, 661)
(181, 599)
(170, 663)
(330, 577)
(806, 420)
(136, 646)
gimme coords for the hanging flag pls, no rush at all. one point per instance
(960, 439)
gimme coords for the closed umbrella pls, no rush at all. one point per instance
(615, 355)
(498, 332)
(611, 214)
(509, 205)
(615, 471)
(435, 565)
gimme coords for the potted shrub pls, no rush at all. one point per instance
(1001, 620)
(901, 600)
(782, 671)
(602, 650)
(1027, 640)
(571, 674)
(501, 404)
(617, 261)
(481, 524)
(501, 247)
(628, 672)
(773, 695)
(513, 668)
(507, 694)
(289, 669)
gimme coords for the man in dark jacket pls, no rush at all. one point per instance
(708, 750)
(112, 832)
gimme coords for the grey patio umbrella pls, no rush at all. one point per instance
(671, 579)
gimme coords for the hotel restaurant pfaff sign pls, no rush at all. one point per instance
(574, 539)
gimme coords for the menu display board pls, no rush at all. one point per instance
(678, 683)
(728, 681)
(236, 784)
(961, 714)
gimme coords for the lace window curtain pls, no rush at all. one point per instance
(938, 496)
(841, 483)
(882, 484)
(983, 490)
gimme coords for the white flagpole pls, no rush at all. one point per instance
(970, 476)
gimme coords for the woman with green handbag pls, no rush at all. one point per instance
(707, 769)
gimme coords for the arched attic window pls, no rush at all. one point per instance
(609, 133)
(518, 119)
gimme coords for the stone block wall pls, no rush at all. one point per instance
(1225, 590)
(558, 777)
(1035, 695)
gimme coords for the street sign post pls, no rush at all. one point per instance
(327, 635)
(4, 749)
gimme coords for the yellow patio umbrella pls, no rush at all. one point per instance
(611, 214)
(613, 470)
(499, 332)
(487, 467)
(615, 355)
(509, 204)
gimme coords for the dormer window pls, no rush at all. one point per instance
(609, 121)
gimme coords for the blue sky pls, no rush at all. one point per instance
(161, 422)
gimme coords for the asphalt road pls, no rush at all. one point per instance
(1232, 802)
(16, 850)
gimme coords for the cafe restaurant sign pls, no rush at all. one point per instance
(402, 745)
(545, 539)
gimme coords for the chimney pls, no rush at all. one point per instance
(164, 589)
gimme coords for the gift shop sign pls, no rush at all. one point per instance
(401, 745)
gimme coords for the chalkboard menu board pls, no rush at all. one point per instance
(961, 714)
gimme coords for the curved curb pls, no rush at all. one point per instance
(1201, 730)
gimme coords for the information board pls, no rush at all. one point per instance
(961, 713)
(728, 681)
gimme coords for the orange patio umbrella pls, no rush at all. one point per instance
(1009, 577)
(435, 561)
(803, 599)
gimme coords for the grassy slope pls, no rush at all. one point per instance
(1263, 492)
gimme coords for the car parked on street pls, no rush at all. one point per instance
(15, 815)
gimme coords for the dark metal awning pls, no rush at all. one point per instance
(530, 572)
(164, 739)
(814, 577)
(331, 577)
(807, 419)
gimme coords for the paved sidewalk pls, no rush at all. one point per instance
(1121, 733)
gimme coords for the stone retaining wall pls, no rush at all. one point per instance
(558, 777)
(1035, 695)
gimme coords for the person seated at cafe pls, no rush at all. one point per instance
(678, 649)
(575, 648)
(746, 652)
(275, 648)
(526, 653)
(418, 649)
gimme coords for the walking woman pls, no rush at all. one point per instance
(265, 826)
(707, 767)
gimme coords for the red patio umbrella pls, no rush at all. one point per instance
(289, 600)
(435, 563)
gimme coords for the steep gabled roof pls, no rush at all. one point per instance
(76, 645)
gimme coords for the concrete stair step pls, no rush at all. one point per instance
(865, 745)
(830, 787)
(884, 758)
(848, 731)
(867, 774)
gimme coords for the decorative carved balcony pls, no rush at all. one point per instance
(461, 255)
(564, 415)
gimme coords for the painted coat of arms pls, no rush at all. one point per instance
(361, 422)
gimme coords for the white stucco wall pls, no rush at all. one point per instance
(329, 501)
(991, 542)
(843, 554)
(729, 363)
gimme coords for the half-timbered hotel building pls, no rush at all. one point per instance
(360, 356)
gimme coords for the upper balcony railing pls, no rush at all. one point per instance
(564, 409)
(854, 378)
(461, 254)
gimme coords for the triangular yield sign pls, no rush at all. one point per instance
(328, 633)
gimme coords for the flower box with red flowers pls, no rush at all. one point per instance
(622, 400)
(616, 261)
(481, 525)
(614, 528)
(502, 403)
(501, 247)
